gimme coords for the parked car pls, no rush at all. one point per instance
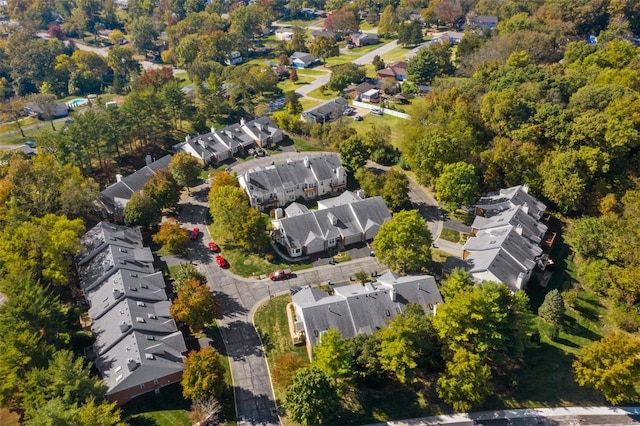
(280, 274)
(357, 117)
(221, 261)
(348, 111)
(193, 235)
(213, 247)
(30, 144)
(376, 111)
(350, 45)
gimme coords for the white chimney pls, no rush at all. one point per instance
(525, 187)
(148, 160)
(392, 294)
(525, 208)
(519, 228)
(118, 177)
(241, 121)
(213, 129)
(520, 280)
(360, 193)
(306, 162)
(333, 219)
(186, 138)
(279, 214)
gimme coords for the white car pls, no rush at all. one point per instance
(376, 111)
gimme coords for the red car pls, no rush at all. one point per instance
(213, 247)
(194, 233)
(221, 262)
(280, 274)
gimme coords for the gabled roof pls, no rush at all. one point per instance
(532, 229)
(306, 58)
(115, 196)
(499, 263)
(103, 234)
(111, 258)
(323, 32)
(393, 70)
(363, 87)
(328, 108)
(510, 240)
(364, 36)
(356, 309)
(494, 203)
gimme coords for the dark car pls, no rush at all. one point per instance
(193, 235)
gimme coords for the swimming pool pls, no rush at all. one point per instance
(77, 102)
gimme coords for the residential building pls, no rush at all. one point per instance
(372, 96)
(451, 37)
(483, 22)
(323, 32)
(302, 60)
(397, 70)
(56, 110)
(357, 309)
(340, 222)
(112, 201)
(355, 91)
(326, 112)
(504, 199)
(364, 39)
(138, 347)
(280, 184)
(234, 58)
(284, 34)
(220, 145)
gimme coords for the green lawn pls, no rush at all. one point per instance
(366, 26)
(395, 123)
(396, 54)
(308, 103)
(300, 22)
(168, 408)
(252, 264)
(303, 145)
(288, 85)
(311, 72)
(450, 235)
(325, 94)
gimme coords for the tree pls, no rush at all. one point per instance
(488, 320)
(353, 153)
(423, 67)
(186, 271)
(459, 280)
(163, 189)
(205, 410)
(311, 399)
(457, 185)
(333, 356)
(410, 34)
(223, 178)
(285, 367)
(142, 210)
(396, 190)
(466, 382)
(195, 305)
(142, 33)
(116, 36)
(388, 24)
(378, 63)
(292, 104)
(203, 375)
(293, 76)
(611, 366)
(343, 75)
(172, 236)
(91, 413)
(45, 105)
(342, 23)
(323, 47)
(185, 169)
(552, 308)
(404, 242)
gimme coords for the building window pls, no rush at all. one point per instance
(155, 381)
(141, 385)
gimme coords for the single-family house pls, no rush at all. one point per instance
(326, 112)
(234, 58)
(280, 184)
(322, 32)
(372, 96)
(483, 22)
(451, 37)
(138, 347)
(397, 70)
(347, 220)
(364, 39)
(284, 34)
(356, 309)
(355, 91)
(220, 145)
(112, 200)
(55, 110)
(302, 60)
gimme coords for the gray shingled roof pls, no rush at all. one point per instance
(111, 198)
(532, 229)
(356, 309)
(96, 239)
(498, 262)
(496, 202)
(112, 258)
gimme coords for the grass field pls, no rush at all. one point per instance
(168, 408)
(396, 54)
(325, 94)
(395, 123)
(251, 264)
(288, 85)
(450, 235)
(311, 72)
(303, 145)
(308, 103)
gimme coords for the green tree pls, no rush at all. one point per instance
(457, 185)
(195, 305)
(311, 399)
(203, 374)
(370, 182)
(458, 281)
(423, 67)
(343, 75)
(552, 308)
(285, 367)
(404, 242)
(611, 366)
(142, 33)
(333, 356)
(172, 236)
(466, 383)
(353, 153)
(396, 190)
(163, 189)
(410, 34)
(142, 210)
(46, 106)
(292, 104)
(324, 47)
(186, 271)
(488, 320)
(388, 24)
(91, 413)
(185, 169)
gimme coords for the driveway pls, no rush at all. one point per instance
(239, 298)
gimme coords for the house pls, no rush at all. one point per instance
(138, 347)
(220, 145)
(347, 219)
(355, 91)
(397, 70)
(56, 110)
(327, 111)
(372, 96)
(506, 239)
(284, 34)
(356, 309)
(323, 32)
(483, 22)
(112, 201)
(302, 60)
(451, 37)
(364, 39)
(234, 58)
(277, 185)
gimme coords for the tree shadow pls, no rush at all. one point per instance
(571, 326)
(229, 306)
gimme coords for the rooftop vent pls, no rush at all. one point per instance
(141, 304)
(151, 316)
(132, 364)
(144, 285)
(133, 274)
(149, 356)
(140, 319)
